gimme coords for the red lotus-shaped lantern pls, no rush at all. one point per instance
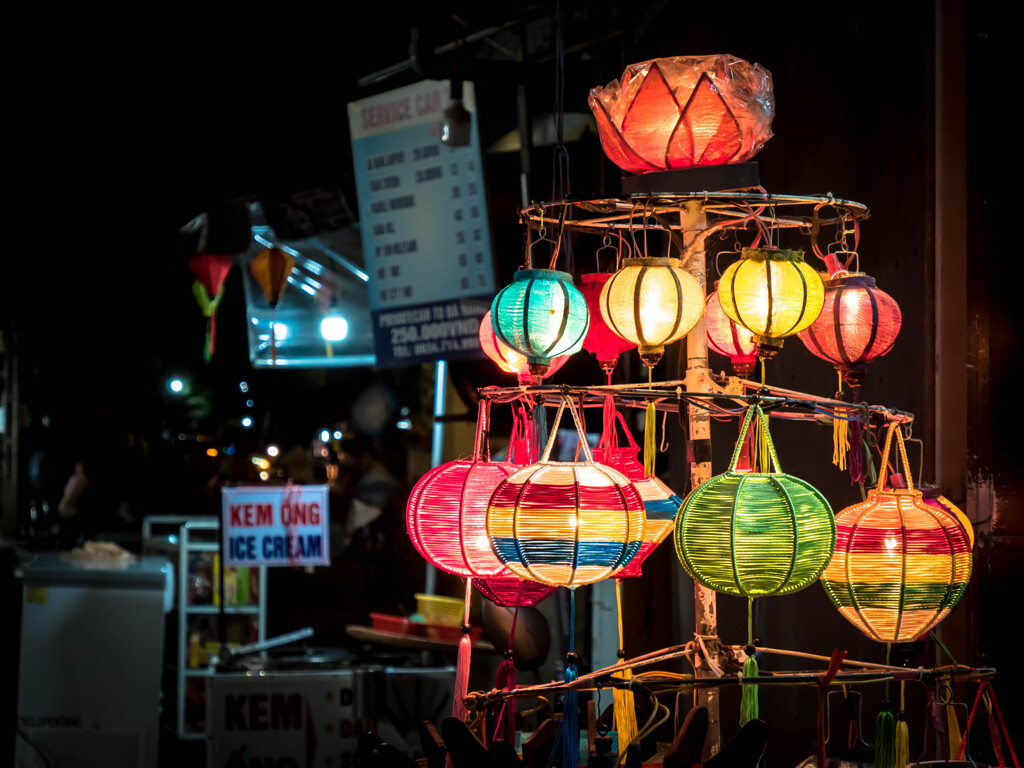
(684, 111)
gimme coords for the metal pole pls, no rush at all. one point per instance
(437, 445)
(694, 222)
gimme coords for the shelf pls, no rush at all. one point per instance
(214, 610)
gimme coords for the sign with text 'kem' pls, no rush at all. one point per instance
(275, 525)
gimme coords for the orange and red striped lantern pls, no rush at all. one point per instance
(900, 565)
(566, 524)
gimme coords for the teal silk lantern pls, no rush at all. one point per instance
(542, 315)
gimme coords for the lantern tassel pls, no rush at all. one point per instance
(840, 442)
(902, 731)
(650, 441)
(623, 708)
(540, 428)
(857, 474)
(505, 727)
(885, 738)
(462, 660)
(748, 702)
(953, 731)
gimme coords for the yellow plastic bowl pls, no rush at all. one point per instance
(445, 611)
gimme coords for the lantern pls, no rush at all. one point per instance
(858, 323)
(661, 504)
(271, 268)
(900, 564)
(447, 510)
(507, 358)
(211, 270)
(652, 302)
(684, 111)
(601, 341)
(772, 293)
(755, 534)
(727, 338)
(565, 524)
(542, 315)
(510, 592)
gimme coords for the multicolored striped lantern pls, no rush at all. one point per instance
(652, 302)
(603, 343)
(542, 315)
(858, 322)
(727, 338)
(447, 510)
(566, 524)
(755, 534)
(661, 504)
(772, 293)
(900, 564)
(507, 358)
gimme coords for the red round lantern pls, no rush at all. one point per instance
(601, 341)
(508, 359)
(447, 511)
(727, 338)
(858, 323)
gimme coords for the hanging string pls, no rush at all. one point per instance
(623, 708)
(568, 735)
(748, 701)
(857, 445)
(540, 429)
(650, 433)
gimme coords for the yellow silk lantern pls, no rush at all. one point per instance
(652, 302)
(772, 293)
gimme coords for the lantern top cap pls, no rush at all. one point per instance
(533, 274)
(652, 261)
(772, 254)
(851, 280)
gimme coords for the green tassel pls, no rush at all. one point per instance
(885, 738)
(650, 441)
(902, 741)
(748, 703)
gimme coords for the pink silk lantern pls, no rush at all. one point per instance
(684, 111)
(727, 338)
(508, 359)
(603, 343)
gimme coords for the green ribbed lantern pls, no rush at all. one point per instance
(755, 534)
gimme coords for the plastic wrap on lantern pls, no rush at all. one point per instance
(661, 503)
(566, 524)
(858, 322)
(542, 315)
(603, 343)
(652, 302)
(772, 293)
(727, 338)
(755, 534)
(684, 111)
(510, 592)
(507, 358)
(447, 511)
(900, 564)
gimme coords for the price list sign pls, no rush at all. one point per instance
(424, 226)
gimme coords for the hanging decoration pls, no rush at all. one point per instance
(565, 524)
(510, 592)
(858, 323)
(271, 268)
(684, 111)
(652, 302)
(508, 359)
(901, 564)
(603, 343)
(211, 270)
(772, 293)
(728, 339)
(541, 315)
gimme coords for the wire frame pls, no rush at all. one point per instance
(566, 524)
(510, 592)
(858, 323)
(447, 511)
(755, 534)
(542, 315)
(900, 564)
(772, 293)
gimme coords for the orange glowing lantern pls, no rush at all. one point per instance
(508, 359)
(684, 111)
(271, 268)
(858, 323)
(727, 338)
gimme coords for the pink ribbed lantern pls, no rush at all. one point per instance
(508, 359)
(510, 592)
(601, 341)
(727, 338)
(858, 323)
(447, 510)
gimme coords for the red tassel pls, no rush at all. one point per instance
(505, 727)
(462, 661)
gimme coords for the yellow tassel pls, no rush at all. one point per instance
(953, 729)
(623, 709)
(761, 446)
(902, 731)
(840, 442)
(650, 438)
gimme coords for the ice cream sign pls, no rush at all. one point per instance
(282, 525)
